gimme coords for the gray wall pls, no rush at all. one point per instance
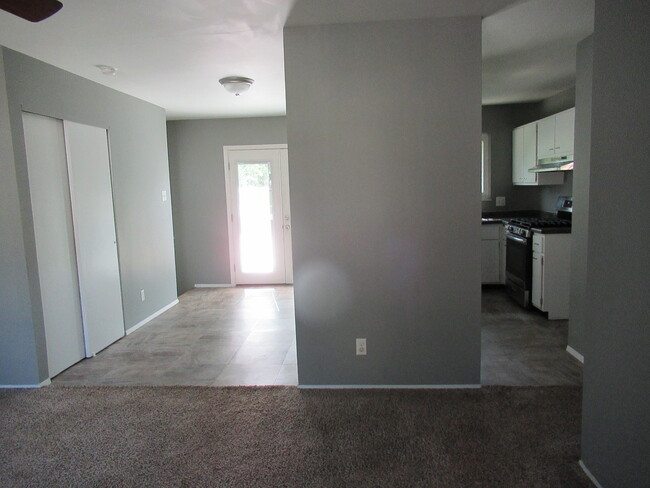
(18, 347)
(140, 173)
(198, 186)
(580, 224)
(616, 417)
(499, 122)
(383, 150)
(557, 103)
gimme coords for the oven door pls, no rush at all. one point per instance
(519, 259)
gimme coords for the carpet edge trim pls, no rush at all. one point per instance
(389, 387)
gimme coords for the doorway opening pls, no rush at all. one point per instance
(223, 336)
(521, 346)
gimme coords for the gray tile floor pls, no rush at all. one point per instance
(246, 336)
(222, 336)
(522, 347)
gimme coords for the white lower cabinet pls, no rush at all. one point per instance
(502, 248)
(491, 253)
(551, 271)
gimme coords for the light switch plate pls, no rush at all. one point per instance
(164, 195)
(361, 347)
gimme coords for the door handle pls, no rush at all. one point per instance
(287, 227)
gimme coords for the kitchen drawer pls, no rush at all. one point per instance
(490, 231)
(538, 243)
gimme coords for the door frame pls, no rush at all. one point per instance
(229, 213)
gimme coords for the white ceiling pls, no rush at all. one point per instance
(529, 49)
(172, 53)
(314, 12)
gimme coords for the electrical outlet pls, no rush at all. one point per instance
(142, 295)
(501, 201)
(361, 347)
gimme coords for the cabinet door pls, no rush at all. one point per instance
(490, 261)
(546, 138)
(517, 154)
(530, 154)
(537, 297)
(564, 131)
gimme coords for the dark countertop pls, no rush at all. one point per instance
(500, 217)
(492, 220)
(552, 230)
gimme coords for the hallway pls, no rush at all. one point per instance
(213, 337)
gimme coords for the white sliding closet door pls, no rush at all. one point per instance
(94, 230)
(55, 253)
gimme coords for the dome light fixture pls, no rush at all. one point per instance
(236, 84)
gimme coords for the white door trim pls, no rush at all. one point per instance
(229, 213)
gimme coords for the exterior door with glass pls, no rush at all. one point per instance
(259, 217)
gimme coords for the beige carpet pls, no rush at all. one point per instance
(284, 437)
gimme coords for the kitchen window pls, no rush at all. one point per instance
(485, 168)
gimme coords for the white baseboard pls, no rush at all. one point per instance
(387, 387)
(151, 317)
(40, 385)
(575, 354)
(589, 475)
(208, 285)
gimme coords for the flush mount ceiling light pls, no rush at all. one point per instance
(236, 84)
(106, 70)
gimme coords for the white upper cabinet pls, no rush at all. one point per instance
(555, 135)
(564, 132)
(524, 157)
(530, 155)
(517, 154)
(546, 137)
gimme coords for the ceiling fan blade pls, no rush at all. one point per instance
(32, 10)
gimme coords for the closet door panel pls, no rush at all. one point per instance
(55, 253)
(95, 237)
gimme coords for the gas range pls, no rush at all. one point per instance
(519, 247)
(527, 225)
(560, 224)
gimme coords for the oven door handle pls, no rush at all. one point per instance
(520, 240)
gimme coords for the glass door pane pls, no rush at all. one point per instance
(256, 217)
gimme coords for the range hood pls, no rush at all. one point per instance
(546, 165)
